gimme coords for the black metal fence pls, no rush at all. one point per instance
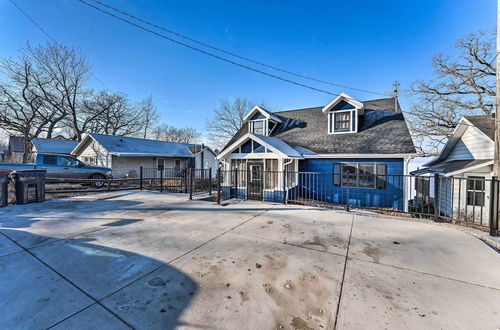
(471, 200)
(190, 181)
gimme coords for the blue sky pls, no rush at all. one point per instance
(364, 44)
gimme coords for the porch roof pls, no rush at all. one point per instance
(275, 145)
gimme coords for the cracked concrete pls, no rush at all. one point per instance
(147, 260)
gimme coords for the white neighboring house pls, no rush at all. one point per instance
(204, 157)
(467, 160)
(125, 155)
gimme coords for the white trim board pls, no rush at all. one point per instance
(359, 156)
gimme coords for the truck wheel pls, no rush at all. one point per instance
(98, 184)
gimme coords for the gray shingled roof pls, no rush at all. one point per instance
(485, 124)
(55, 146)
(128, 146)
(382, 130)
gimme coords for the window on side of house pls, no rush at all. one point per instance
(475, 190)
(177, 165)
(160, 164)
(360, 175)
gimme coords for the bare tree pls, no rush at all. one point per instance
(22, 110)
(169, 133)
(149, 115)
(463, 85)
(63, 73)
(110, 113)
(228, 118)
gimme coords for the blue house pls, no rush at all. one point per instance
(319, 153)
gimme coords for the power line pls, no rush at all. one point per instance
(208, 53)
(233, 54)
(50, 37)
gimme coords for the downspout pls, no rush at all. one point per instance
(284, 183)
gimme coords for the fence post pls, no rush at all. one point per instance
(161, 180)
(347, 206)
(493, 216)
(218, 185)
(210, 181)
(236, 182)
(140, 177)
(284, 186)
(436, 196)
(191, 183)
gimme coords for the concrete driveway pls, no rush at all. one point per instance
(154, 261)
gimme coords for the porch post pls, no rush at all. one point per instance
(493, 216)
(219, 178)
(284, 185)
(436, 196)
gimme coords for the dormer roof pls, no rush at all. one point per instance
(343, 102)
(267, 114)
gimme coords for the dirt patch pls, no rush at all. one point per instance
(372, 252)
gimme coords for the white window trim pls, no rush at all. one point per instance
(331, 121)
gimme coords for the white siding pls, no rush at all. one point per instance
(209, 161)
(472, 145)
(95, 150)
(460, 209)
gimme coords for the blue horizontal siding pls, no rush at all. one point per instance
(321, 187)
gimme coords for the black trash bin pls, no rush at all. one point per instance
(4, 192)
(30, 186)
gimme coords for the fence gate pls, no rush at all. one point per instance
(199, 181)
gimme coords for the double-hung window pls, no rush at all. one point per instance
(475, 190)
(341, 122)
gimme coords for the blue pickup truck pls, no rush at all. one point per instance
(62, 167)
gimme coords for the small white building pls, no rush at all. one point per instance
(204, 157)
(466, 164)
(125, 155)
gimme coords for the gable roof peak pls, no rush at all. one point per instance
(264, 112)
(343, 97)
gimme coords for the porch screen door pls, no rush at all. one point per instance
(255, 180)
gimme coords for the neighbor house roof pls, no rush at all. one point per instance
(55, 146)
(136, 147)
(453, 167)
(382, 129)
(485, 124)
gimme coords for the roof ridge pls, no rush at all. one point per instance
(137, 138)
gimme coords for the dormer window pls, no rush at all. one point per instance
(261, 122)
(343, 113)
(258, 127)
(342, 121)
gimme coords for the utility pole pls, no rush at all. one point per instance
(496, 158)
(395, 86)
